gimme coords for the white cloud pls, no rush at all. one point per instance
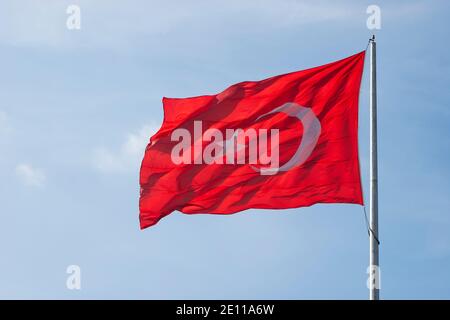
(129, 155)
(30, 176)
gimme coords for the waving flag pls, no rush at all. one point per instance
(283, 142)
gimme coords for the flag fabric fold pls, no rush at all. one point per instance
(284, 142)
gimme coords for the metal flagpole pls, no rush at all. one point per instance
(374, 274)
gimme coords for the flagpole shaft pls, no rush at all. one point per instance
(374, 273)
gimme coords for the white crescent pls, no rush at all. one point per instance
(311, 133)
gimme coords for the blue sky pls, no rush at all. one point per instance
(78, 106)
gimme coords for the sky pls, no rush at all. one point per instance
(77, 108)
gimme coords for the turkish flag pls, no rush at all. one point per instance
(283, 142)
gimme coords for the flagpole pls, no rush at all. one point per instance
(374, 274)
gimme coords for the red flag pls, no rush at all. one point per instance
(284, 142)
